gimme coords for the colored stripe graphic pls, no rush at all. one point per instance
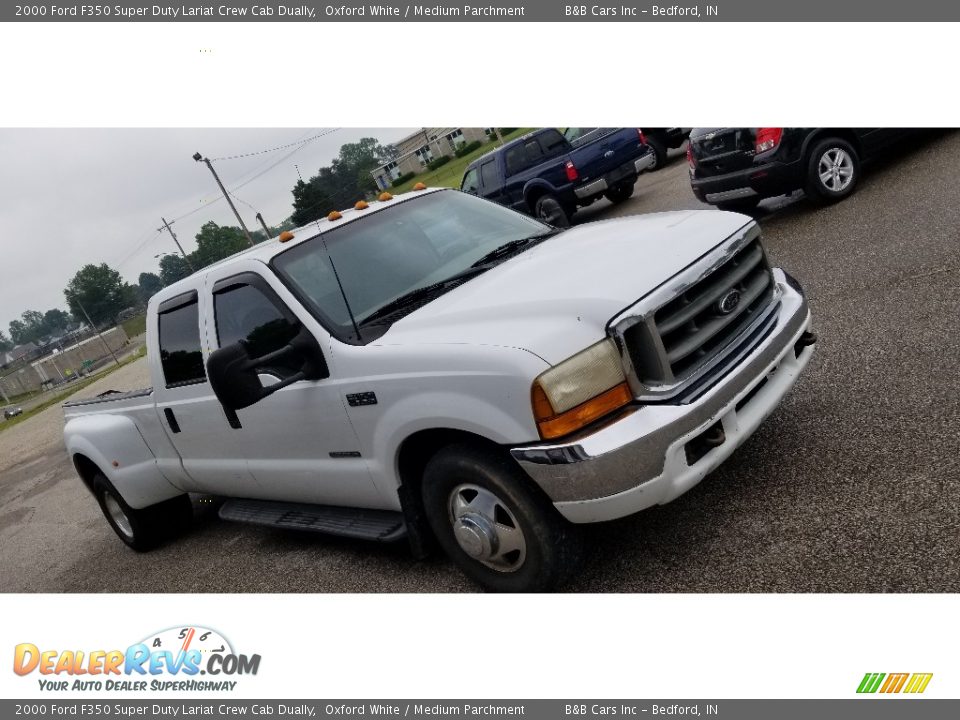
(918, 682)
(894, 683)
(870, 682)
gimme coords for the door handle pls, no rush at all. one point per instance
(171, 420)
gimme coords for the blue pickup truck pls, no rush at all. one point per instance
(544, 175)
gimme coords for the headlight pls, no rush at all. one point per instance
(581, 389)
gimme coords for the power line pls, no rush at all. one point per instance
(297, 145)
(139, 248)
(274, 149)
(243, 184)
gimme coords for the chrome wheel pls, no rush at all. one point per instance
(117, 515)
(835, 169)
(485, 528)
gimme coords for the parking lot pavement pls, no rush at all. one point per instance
(850, 486)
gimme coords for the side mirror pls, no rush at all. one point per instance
(234, 375)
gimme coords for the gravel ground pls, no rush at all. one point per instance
(850, 486)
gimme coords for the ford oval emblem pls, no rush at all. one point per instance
(728, 303)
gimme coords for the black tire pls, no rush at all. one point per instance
(142, 529)
(551, 547)
(833, 171)
(659, 153)
(548, 209)
(743, 205)
(622, 192)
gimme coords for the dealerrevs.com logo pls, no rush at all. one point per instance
(172, 659)
(910, 683)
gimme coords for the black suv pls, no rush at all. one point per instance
(735, 168)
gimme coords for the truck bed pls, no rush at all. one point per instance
(110, 396)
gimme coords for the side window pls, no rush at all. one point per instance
(488, 174)
(256, 317)
(469, 184)
(523, 156)
(180, 354)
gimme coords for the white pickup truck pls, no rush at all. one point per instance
(436, 367)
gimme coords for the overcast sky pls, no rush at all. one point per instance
(72, 197)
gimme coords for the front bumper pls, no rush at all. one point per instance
(762, 181)
(615, 177)
(642, 459)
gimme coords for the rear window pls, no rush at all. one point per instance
(180, 354)
(552, 143)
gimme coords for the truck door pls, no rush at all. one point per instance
(517, 161)
(298, 444)
(188, 410)
(490, 183)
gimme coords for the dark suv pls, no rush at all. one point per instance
(735, 168)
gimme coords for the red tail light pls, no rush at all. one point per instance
(571, 169)
(643, 138)
(767, 139)
(690, 161)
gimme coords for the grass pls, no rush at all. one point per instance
(451, 174)
(135, 326)
(74, 388)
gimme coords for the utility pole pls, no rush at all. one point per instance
(200, 158)
(96, 330)
(499, 136)
(179, 246)
(264, 226)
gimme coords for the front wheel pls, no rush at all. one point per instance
(833, 171)
(146, 528)
(498, 528)
(549, 209)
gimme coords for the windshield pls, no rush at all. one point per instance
(389, 253)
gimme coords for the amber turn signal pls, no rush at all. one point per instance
(554, 426)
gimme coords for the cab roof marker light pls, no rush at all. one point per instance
(419, 186)
(334, 216)
(286, 236)
(384, 196)
(361, 205)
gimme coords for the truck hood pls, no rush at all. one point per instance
(556, 298)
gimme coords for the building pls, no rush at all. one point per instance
(63, 364)
(417, 149)
(20, 352)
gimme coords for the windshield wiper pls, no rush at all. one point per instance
(511, 247)
(418, 294)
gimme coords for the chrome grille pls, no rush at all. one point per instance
(685, 338)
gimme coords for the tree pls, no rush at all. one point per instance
(35, 326)
(215, 242)
(148, 285)
(5, 343)
(347, 180)
(56, 321)
(172, 269)
(101, 291)
(18, 332)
